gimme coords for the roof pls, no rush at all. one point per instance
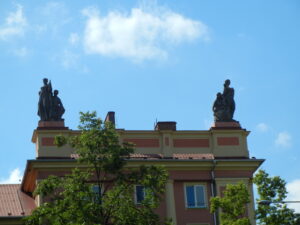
(174, 156)
(161, 156)
(14, 202)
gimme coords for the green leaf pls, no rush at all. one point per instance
(232, 204)
(71, 199)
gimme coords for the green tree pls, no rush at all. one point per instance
(232, 204)
(273, 189)
(104, 193)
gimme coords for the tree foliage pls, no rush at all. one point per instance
(103, 193)
(273, 189)
(232, 204)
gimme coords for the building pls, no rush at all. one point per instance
(200, 164)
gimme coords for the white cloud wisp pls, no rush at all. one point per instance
(69, 59)
(262, 127)
(14, 25)
(15, 177)
(73, 38)
(293, 189)
(284, 139)
(140, 35)
(21, 52)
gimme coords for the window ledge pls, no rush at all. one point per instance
(205, 207)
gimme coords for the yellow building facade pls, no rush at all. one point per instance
(200, 163)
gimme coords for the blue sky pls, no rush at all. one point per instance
(149, 60)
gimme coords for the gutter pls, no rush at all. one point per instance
(11, 220)
(11, 217)
(153, 160)
(214, 190)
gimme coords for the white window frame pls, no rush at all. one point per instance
(195, 197)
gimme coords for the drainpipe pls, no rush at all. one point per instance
(214, 190)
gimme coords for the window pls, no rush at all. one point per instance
(195, 196)
(95, 190)
(139, 194)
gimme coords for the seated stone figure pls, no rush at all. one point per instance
(219, 109)
(57, 109)
(224, 105)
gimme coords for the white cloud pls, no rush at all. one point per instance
(139, 35)
(14, 25)
(73, 38)
(262, 127)
(293, 189)
(15, 177)
(283, 139)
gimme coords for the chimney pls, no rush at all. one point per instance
(166, 125)
(110, 117)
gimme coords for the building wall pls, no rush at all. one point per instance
(220, 143)
(173, 203)
(190, 157)
(186, 215)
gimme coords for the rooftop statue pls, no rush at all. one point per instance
(50, 107)
(57, 107)
(224, 105)
(45, 99)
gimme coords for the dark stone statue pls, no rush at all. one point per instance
(224, 105)
(219, 108)
(50, 107)
(44, 105)
(57, 107)
(228, 95)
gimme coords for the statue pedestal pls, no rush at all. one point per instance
(226, 125)
(52, 125)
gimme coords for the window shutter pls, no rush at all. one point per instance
(200, 196)
(190, 195)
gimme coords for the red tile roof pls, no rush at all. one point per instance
(14, 202)
(174, 156)
(194, 156)
(160, 156)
